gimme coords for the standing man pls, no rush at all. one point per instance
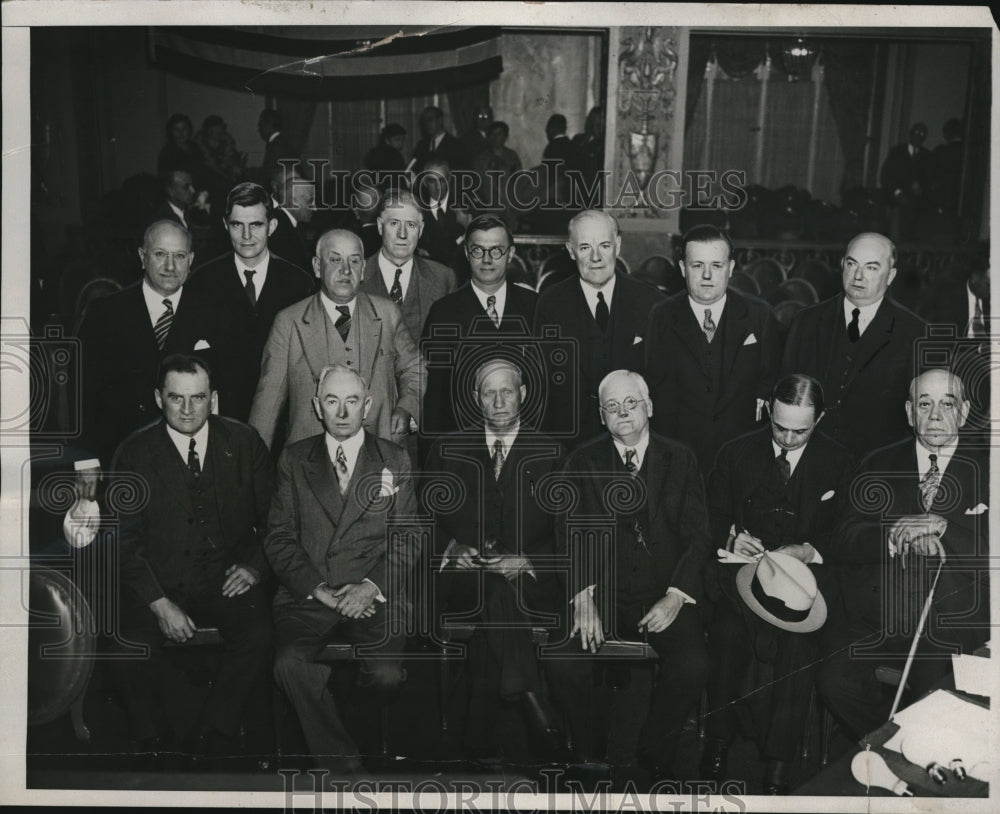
(494, 549)
(860, 346)
(338, 325)
(473, 142)
(443, 223)
(293, 201)
(246, 289)
(712, 355)
(126, 335)
(191, 555)
(932, 509)
(782, 488)
(396, 272)
(905, 178)
(489, 311)
(436, 142)
(277, 146)
(606, 312)
(640, 544)
(340, 549)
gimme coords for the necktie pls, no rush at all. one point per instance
(491, 309)
(194, 462)
(396, 292)
(343, 324)
(498, 458)
(929, 485)
(708, 326)
(784, 466)
(343, 476)
(162, 326)
(630, 465)
(601, 313)
(251, 291)
(853, 329)
(978, 323)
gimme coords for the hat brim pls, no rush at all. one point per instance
(814, 621)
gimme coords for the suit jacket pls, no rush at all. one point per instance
(870, 412)
(121, 360)
(156, 539)
(246, 329)
(317, 535)
(275, 150)
(693, 406)
(287, 241)
(429, 281)
(450, 323)
(295, 354)
(900, 170)
(887, 487)
(678, 533)
(440, 236)
(571, 400)
(448, 150)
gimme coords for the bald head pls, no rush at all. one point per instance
(868, 268)
(166, 256)
(339, 264)
(936, 408)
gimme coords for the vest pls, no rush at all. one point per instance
(207, 539)
(337, 350)
(635, 577)
(770, 511)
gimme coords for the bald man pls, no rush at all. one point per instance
(127, 334)
(930, 505)
(860, 346)
(605, 311)
(338, 325)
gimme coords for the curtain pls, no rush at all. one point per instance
(463, 102)
(701, 53)
(850, 69)
(297, 120)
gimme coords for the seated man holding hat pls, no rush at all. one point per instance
(774, 497)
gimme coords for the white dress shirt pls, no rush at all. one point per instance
(259, 272)
(944, 456)
(183, 443)
(590, 293)
(178, 212)
(792, 455)
(388, 271)
(716, 308)
(331, 307)
(500, 294)
(864, 318)
(154, 301)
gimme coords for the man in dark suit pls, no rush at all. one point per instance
(184, 204)
(191, 553)
(246, 289)
(277, 145)
(340, 546)
(905, 177)
(340, 324)
(605, 312)
(126, 335)
(436, 142)
(781, 488)
(493, 549)
(920, 504)
(443, 223)
(295, 198)
(473, 142)
(489, 311)
(860, 346)
(638, 538)
(396, 272)
(712, 355)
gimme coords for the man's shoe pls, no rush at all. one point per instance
(714, 759)
(776, 777)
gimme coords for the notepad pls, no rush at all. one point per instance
(972, 674)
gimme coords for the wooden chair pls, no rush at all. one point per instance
(767, 273)
(744, 283)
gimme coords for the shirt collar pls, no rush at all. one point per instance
(154, 300)
(331, 307)
(792, 455)
(865, 317)
(436, 141)
(388, 269)
(260, 270)
(273, 136)
(640, 448)
(177, 211)
(716, 308)
(608, 289)
(183, 442)
(291, 217)
(506, 440)
(500, 294)
(944, 455)
(352, 448)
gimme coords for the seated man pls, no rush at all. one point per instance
(493, 548)
(922, 504)
(338, 543)
(191, 553)
(781, 488)
(645, 493)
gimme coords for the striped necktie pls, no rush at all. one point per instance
(162, 326)
(491, 310)
(929, 485)
(396, 292)
(708, 326)
(194, 461)
(343, 323)
(343, 476)
(498, 458)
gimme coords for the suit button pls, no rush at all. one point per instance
(349, 362)
(201, 522)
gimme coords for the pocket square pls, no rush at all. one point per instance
(202, 344)
(637, 340)
(828, 495)
(386, 487)
(750, 340)
(977, 509)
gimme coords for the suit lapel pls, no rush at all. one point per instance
(223, 467)
(656, 472)
(368, 324)
(360, 491)
(880, 333)
(322, 480)
(420, 280)
(734, 317)
(142, 328)
(311, 327)
(686, 327)
(377, 285)
(169, 467)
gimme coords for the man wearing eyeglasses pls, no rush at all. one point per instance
(246, 288)
(642, 580)
(485, 316)
(127, 334)
(780, 488)
(396, 272)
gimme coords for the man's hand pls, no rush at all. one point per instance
(662, 614)
(912, 527)
(747, 545)
(239, 580)
(85, 483)
(399, 423)
(508, 565)
(464, 556)
(587, 621)
(801, 551)
(175, 624)
(354, 599)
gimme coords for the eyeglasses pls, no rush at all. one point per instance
(628, 405)
(495, 252)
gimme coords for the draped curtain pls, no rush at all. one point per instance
(850, 70)
(701, 53)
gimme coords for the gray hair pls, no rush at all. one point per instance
(329, 370)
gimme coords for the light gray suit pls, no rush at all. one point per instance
(429, 282)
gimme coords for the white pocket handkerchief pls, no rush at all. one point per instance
(750, 340)
(202, 344)
(977, 509)
(637, 340)
(828, 495)
(387, 487)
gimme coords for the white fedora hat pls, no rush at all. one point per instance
(782, 590)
